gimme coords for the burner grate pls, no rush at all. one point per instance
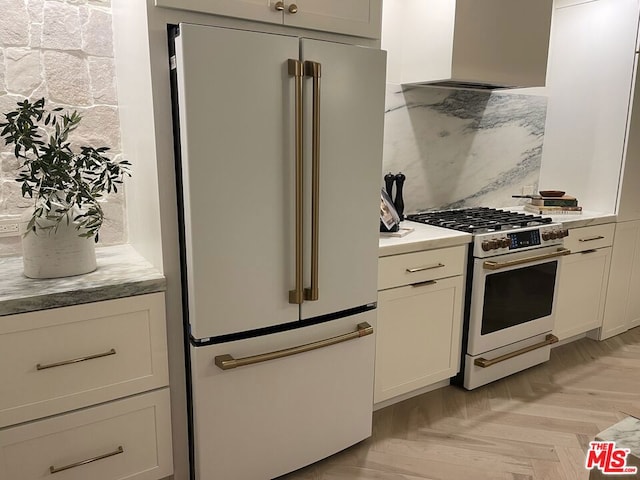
(475, 220)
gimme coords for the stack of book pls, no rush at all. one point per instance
(553, 205)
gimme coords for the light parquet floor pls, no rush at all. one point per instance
(536, 424)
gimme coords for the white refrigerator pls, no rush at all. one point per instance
(279, 146)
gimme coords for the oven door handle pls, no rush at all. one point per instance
(491, 265)
(484, 363)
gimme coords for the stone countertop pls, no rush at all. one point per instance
(121, 272)
(423, 237)
(584, 219)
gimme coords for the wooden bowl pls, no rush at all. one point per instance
(551, 193)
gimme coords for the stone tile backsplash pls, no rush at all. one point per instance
(462, 148)
(62, 51)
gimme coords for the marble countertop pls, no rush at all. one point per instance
(121, 272)
(423, 237)
(626, 434)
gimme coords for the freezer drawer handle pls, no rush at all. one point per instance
(53, 469)
(484, 363)
(227, 362)
(490, 265)
(422, 269)
(591, 239)
(76, 360)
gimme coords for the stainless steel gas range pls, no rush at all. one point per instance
(510, 298)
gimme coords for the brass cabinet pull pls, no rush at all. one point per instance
(227, 362)
(593, 250)
(484, 363)
(424, 284)
(295, 70)
(53, 469)
(490, 265)
(75, 360)
(279, 6)
(422, 269)
(313, 69)
(591, 239)
(293, 8)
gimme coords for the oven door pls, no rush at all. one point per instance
(513, 297)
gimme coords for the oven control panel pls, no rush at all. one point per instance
(525, 238)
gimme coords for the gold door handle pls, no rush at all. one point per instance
(313, 69)
(279, 6)
(293, 9)
(490, 265)
(75, 360)
(422, 269)
(591, 239)
(227, 362)
(295, 70)
(53, 469)
(484, 363)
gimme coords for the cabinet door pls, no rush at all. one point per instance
(260, 10)
(361, 18)
(622, 309)
(419, 336)
(236, 132)
(581, 292)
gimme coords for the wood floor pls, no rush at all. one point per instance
(533, 425)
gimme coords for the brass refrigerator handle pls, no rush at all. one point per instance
(296, 71)
(484, 363)
(40, 366)
(591, 239)
(119, 450)
(491, 265)
(313, 69)
(227, 362)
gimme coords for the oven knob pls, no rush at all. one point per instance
(546, 236)
(504, 242)
(485, 245)
(554, 234)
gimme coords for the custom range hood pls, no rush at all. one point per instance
(479, 44)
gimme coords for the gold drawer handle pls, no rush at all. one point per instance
(491, 265)
(591, 239)
(227, 362)
(76, 360)
(424, 284)
(422, 269)
(53, 469)
(484, 363)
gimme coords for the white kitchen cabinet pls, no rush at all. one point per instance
(56, 365)
(360, 18)
(583, 281)
(419, 322)
(622, 308)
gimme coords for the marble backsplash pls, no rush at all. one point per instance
(462, 148)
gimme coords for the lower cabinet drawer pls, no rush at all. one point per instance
(54, 361)
(125, 439)
(589, 238)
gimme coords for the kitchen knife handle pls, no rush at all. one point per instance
(295, 70)
(313, 69)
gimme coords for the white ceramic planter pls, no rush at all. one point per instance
(56, 253)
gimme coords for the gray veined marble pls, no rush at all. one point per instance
(462, 148)
(121, 272)
(626, 434)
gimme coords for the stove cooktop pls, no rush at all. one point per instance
(478, 220)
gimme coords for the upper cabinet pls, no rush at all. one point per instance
(360, 18)
(488, 44)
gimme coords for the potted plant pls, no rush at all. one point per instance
(66, 186)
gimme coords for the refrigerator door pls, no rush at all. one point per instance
(352, 89)
(236, 107)
(263, 420)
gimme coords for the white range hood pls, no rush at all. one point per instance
(484, 44)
